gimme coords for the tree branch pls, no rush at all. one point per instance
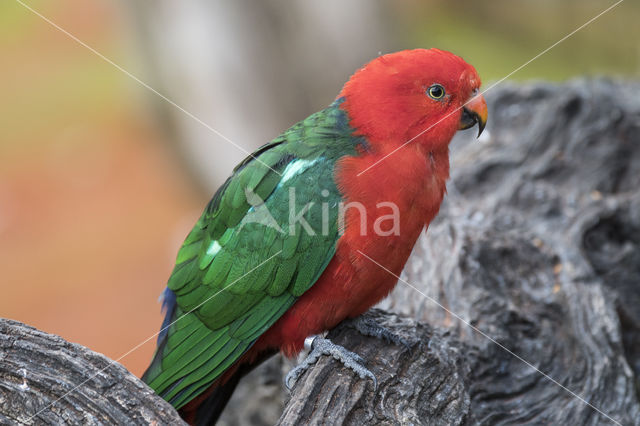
(47, 380)
(424, 381)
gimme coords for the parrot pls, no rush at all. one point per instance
(282, 252)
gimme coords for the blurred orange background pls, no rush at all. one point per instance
(92, 207)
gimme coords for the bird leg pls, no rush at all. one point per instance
(320, 346)
(367, 327)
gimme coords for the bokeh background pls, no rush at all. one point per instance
(101, 178)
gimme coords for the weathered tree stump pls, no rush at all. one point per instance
(538, 246)
(529, 280)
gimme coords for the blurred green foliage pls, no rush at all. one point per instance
(500, 35)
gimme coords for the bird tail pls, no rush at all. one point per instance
(205, 410)
(198, 402)
(169, 308)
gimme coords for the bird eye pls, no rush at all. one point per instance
(435, 92)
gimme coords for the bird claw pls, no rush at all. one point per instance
(367, 327)
(321, 346)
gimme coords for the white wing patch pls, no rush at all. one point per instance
(214, 248)
(296, 167)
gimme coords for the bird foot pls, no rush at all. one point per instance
(367, 327)
(320, 346)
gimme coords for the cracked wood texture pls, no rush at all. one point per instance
(537, 246)
(425, 380)
(47, 380)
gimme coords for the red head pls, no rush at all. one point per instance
(396, 97)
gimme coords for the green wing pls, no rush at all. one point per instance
(246, 262)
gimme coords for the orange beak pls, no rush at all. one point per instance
(474, 111)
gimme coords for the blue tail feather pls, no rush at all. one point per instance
(168, 299)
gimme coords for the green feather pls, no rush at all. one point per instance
(290, 245)
(198, 383)
(244, 273)
(286, 270)
(218, 271)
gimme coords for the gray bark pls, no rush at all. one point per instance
(538, 246)
(424, 381)
(46, 380)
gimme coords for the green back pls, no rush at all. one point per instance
(243, 265)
